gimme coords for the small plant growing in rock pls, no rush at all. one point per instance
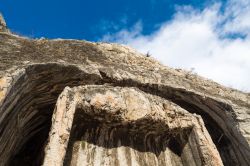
(148, 54)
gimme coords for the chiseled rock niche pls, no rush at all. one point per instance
(101, 125)
(71, 102)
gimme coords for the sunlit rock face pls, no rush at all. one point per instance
(70, 102)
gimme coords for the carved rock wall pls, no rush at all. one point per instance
(70, 102)
(123, 126)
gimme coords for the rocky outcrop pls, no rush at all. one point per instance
(3, 27)
(70, 102)
(124, 126)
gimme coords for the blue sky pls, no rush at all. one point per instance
(87, 19)
(211, 38)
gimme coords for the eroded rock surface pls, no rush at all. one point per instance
(70, 102)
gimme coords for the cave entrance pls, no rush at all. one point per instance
(214, 118)
(29, 108)
(32, 151)
(221, 141)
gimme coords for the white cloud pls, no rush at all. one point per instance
(200, 39)
(239, 11)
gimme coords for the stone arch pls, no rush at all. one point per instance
(43, 86)
(28, 106)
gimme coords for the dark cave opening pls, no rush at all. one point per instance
(35, 90)
(221, 141)
(32, 151)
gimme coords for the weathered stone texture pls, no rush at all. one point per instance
(124, 126)
(70, 102)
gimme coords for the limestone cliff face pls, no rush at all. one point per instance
(70, 102)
